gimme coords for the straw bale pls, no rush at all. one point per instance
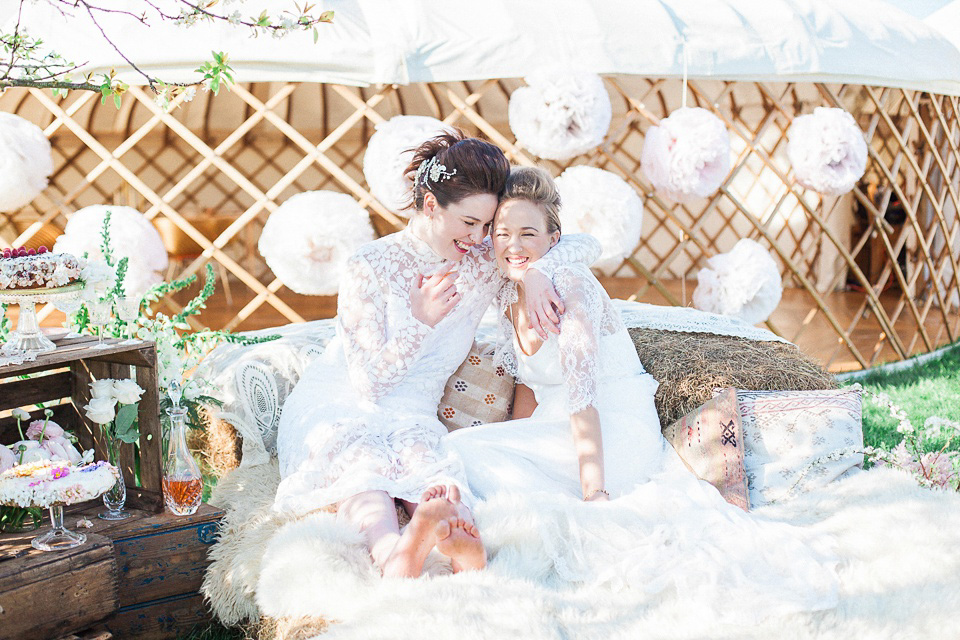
(217, 443)
(289, 628)
(690, 365)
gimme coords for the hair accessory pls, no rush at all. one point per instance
(434, 171)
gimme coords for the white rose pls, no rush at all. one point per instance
(126, 391)
(101, 410)
(102, 388)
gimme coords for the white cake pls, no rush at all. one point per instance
(49, 482)
(21, 270)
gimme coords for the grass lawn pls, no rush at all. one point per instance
(930, 389)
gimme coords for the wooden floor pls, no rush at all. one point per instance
(797, 319)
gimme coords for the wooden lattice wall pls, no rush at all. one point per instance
(870, 277)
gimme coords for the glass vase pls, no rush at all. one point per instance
(116, 497)
(182, 481)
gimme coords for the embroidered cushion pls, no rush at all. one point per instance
(478, 392)
(710, 442)
(795, 441)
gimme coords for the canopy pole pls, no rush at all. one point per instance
(683, 96)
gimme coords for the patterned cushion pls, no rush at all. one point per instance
(710, 442)
(478, 392)
(788, 436)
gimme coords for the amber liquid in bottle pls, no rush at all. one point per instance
(182, 496)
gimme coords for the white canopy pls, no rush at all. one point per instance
(397, 41)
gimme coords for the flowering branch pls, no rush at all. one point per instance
(29, 62)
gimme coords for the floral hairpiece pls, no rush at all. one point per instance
(434, 171)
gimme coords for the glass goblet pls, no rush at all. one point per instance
(128, 310)
(99, 317)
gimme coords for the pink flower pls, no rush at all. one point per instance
(53, 430)
(61, 449)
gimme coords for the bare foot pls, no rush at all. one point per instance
(460, 541)
(407, 558)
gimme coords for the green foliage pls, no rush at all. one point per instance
(126, 426)
(929, 389)
(218, 71)
(14, 519)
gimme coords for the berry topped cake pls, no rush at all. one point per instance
(49, 482)
(32, 269)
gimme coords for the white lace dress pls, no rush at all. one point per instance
(664, 528)
(364, 415)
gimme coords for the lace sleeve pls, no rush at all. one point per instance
(378, 356)
(574, 248)
(505, 355)
(579, 339)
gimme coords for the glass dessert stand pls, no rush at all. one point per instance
(27, 337)
(58, 537)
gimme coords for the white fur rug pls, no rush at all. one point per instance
(900, 574)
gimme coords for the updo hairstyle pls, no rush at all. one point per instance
(535, 185)
(471, 166)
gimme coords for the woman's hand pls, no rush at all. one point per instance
(544, 306)
(433, 297)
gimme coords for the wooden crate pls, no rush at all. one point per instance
(161, 561)
(156, 566)
(46, 595)
(60, 380)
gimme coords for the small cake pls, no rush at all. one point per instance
(32, 269)
(49, 482)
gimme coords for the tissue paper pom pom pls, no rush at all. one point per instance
(388, 153)
(25, 161)
(688, 154)
(309, 237)
(827, 151)
(561, 113)
(132, 236)
(601, 204)
(744, 283)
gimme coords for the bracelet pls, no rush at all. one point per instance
(595, 492)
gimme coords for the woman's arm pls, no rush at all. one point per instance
(588, 441)
(524, 402)
(579, 345)
(376, 362)
(544, 306)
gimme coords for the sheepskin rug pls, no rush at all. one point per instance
(900, 573)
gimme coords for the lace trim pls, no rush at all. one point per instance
(689, 320)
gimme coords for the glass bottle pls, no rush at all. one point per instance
(182, 482)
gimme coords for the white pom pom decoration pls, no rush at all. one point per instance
(388, 153)
(827, 151)
(687, 155)
(602, 204)
(744, 283)
(25, 161)
(132, 236)
(309, 237)
(561, 113)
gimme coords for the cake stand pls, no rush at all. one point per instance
(27, 337)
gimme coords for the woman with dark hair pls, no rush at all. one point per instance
(360, 430)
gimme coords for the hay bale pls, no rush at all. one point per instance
(217, 443)
(289, 628)
(690, 365)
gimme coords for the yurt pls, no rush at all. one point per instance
(867, 261)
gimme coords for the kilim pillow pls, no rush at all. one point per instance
(478, 392)
(795, 441)
(710, 441)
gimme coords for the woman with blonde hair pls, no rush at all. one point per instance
(613, 501)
